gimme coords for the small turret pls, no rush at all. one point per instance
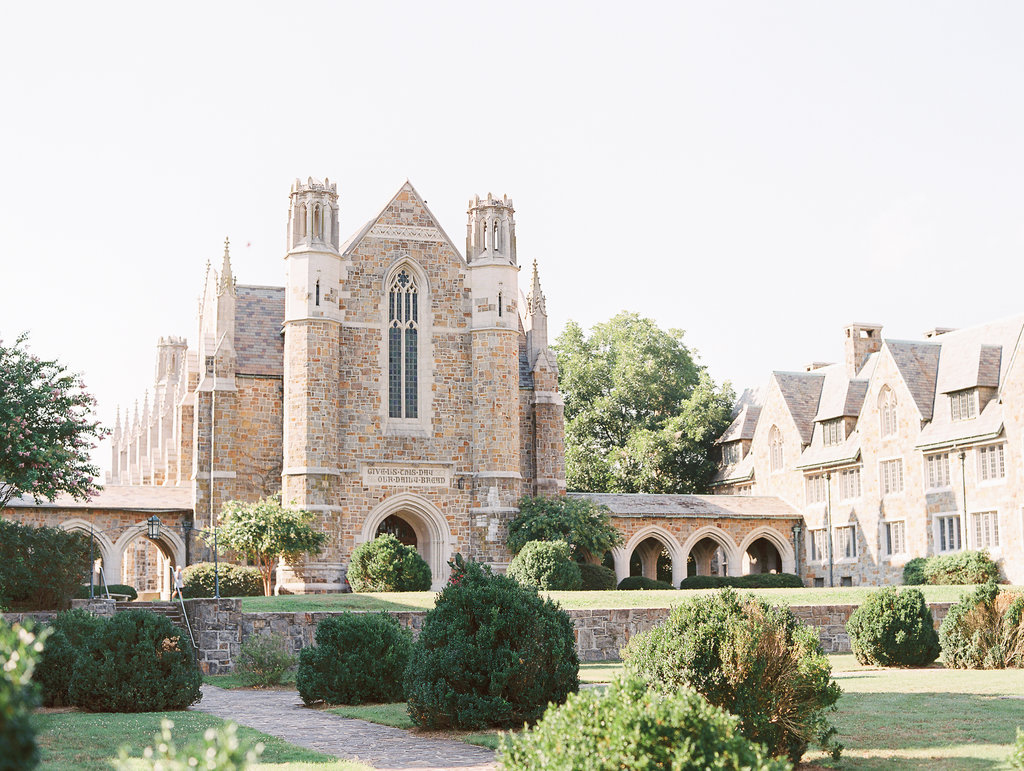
(313, 215)
(536, 318)
(491, 230)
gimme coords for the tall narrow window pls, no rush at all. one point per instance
(887, 411)
(775, 449)
(991, 462)
(403, 326)
(317, 292)
(496, 241)
(317, 223)
(499, 305)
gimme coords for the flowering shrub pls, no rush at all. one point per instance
(19, 650)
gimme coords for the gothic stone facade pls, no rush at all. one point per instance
(905, 449)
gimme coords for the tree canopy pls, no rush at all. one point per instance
(265, 531)
(581, 523)
(46, 428)
(641, 413)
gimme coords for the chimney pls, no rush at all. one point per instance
(859, 342)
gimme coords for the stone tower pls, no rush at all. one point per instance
(312, 344)
(496, 452)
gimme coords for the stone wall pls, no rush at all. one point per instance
(220, 627)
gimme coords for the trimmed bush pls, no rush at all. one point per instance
(385, 565)
(596, 578)
(642, 582)
(19, 651)
(41, 568)
(629, 726)
(264, 659)
(965, 567)
(235, 580)
(751, 658)
(751, 581)
(492, 652)
(913, 572)
(137, 661)
(358, 657)
(894, 628)
(985, 630)
(547, 565)
(98, 591)
(71, 630)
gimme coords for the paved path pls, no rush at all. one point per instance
(282, 714)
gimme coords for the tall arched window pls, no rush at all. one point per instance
(496, 242)
(317, 223)
(775, 449)
(887, 411)
(403, 325)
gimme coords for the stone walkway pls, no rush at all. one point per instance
(282, 714)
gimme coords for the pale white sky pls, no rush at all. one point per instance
(758, 174)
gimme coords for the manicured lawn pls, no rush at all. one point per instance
(84, 741)
(599, 671)
(233, 681)
(574, 600)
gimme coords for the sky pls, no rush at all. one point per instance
(757, 174)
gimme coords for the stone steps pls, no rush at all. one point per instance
(169, 609)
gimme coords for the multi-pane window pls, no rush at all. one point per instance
(938, 470)
(887, 411)
(730, 453)
(775, 449)
(949, 532)
(833, 431)
(849, 484)
(890, 472)
(964, 404)
(895, 537)
(846, 542)
(817, 489)
(403, 329)
(819, 545)
(986, 529)
(991, 464)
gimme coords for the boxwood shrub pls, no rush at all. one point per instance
(70, 632)
(629, 726)
(547, 565)
(385, 565)
(358, 657)
(751, 658)
(965, 567)
(893, 628)
(492, 652)
(752, 581)
(984, 630)
(913, 571)
(137, 661)
(642, 582)
(235, 580)
(596, 577)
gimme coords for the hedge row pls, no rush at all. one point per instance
(41, 568)
(752, 581)
(965, 567)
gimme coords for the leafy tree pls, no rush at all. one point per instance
(583, 524)
(265, 531)
(641, 414)
(46, 430)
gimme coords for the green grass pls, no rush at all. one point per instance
(84, 741)
(599, 671)
(234, 681)
(579, 600)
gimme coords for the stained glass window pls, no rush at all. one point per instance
(403, 351)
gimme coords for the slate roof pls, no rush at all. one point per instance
(820, 455)
(973, 357)
(840, 396)
(918, 364)
(741, 471)
(743, 425)
(693, 506)
(259, 344)
(121, 497)
(988, 425)
(802, 391)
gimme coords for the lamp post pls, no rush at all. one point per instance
(796, 550)
(963, 491)
(828, 527)
(154, 524)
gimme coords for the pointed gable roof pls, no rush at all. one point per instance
(743, 425)
(841, 396)
(918, 365)
(801, 391)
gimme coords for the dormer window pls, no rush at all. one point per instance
(730, 453)
(964, 404)
(833, 431)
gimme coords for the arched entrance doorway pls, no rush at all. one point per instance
(761, 556)
(158, 559)
(713, 553)
(651, 559)
(652, 552)
(103, 552)
(414, 521)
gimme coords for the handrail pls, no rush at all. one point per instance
(188, 624)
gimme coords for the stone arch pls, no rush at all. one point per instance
(719, 536)
(433, 536)
(670, 542)
(105, 549)
(170, 544)
(778, 540)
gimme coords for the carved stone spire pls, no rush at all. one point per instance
(535, 300)
(227, 279)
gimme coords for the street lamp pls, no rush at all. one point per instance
(153, 527)
(796, 543)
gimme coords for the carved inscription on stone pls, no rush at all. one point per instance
(386, 474)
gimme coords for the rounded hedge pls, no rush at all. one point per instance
(71, 630)
(137, 661)
(965, 567)
(642, 582)
(548, 565)
(385, 565)
(358, 657)
(984, 630)
(596, 577)
(913, 572)
(492, 652)
(750, 658)
(201, 578)
(629, 726)
(893, 628)
(751, 581)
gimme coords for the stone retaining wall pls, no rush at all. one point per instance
(100, 606)
(220, 627)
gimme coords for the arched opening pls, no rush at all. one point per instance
(142, 564)
(399, 528)
(651, 558)
(709, 558)
(415, 522)
(317, 223)
(761, 556)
